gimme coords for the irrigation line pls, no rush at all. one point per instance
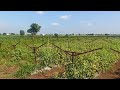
(114, 50)
(14, 45)
(74, 54)
(34, 50)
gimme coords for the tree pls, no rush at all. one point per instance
(4, 33)
(34, 28)
(56, 35)
(72, 34)
(106, 34)
(66, 35)
(22, 32)
(12, 33)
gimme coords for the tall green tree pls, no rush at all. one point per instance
(34, 28)
(56, 35)
(22, 32)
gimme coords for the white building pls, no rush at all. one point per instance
(7, 34)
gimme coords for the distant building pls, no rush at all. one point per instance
(43, 34)
(7, 34)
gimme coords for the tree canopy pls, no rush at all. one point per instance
(22, 32)
(34, 28)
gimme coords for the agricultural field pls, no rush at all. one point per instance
(62, 57)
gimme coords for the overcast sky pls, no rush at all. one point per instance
(62, 22)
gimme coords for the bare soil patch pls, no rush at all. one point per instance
(113, 73)
(7, 72)
(47, 74)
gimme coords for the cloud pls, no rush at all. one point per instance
(65, 17)
(55, 24)
(40, 12)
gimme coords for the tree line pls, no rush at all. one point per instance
(35, 28)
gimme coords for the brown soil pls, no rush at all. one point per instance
(113, 73)
(7, 72)
(47, 74)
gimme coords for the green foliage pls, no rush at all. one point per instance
(56, 35)
(22, 32)
(25, 71)
(4, 33)
(34, 28)
(84, 66)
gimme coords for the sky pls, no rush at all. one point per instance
(62, 22)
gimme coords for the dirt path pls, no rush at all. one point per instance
(7, 72)
(113, 73)
(47, 74)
